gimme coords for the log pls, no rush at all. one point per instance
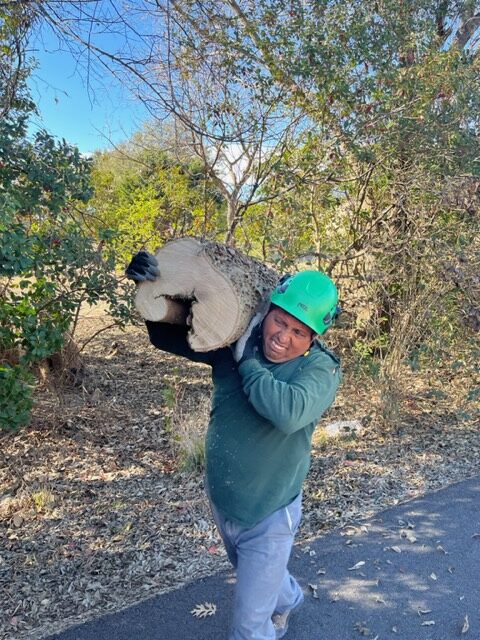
(213, 288)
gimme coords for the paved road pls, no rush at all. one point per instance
(411, 573)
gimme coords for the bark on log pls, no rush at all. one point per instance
(213, 288)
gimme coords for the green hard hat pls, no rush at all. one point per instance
(309, 296)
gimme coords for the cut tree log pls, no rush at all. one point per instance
(210, 287)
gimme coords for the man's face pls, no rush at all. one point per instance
(284, 337)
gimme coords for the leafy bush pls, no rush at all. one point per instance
(15, 396)
(50, 263)
(149, 196)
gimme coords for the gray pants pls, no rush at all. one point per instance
(260, 556)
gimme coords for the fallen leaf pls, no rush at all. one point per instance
(321, 572)
(357, 566)
(204, 610)
(314, 588)
(17, 520)
(406, 533)
(351, 531)
(423, 612)
(440, 548)
(396, 549)
(466, 625)
(362, 628)
(428, 623)
(433, 576)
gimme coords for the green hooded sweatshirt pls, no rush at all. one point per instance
(262, 420)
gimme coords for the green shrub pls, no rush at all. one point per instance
(50, 261)
(15, 397)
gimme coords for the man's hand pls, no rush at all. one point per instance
(143, 266)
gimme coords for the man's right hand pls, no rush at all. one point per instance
(143, 266)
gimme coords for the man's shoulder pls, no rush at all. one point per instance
(322, 347)
(323, 351)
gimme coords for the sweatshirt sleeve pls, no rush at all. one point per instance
(173, 339)
(291, 405)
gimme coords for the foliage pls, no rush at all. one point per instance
(356, 126)
(185, 432)
(234, 124)
(395, 123)
(49, 264)
(15, 22)
(15, 396)
(149, 196)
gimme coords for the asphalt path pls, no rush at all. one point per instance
(410, 573)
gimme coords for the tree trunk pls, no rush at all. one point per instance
(64, 368)
(210, 287)
(232, 220)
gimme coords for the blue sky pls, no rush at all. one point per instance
(85, 111)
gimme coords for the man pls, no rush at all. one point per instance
(268, 395)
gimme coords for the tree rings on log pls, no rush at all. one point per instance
(211, 287)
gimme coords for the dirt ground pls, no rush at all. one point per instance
(101, 498)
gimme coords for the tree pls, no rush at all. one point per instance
(15, 22)
(388, 92)
(235, 125)
(49, 263)
(151, 195)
